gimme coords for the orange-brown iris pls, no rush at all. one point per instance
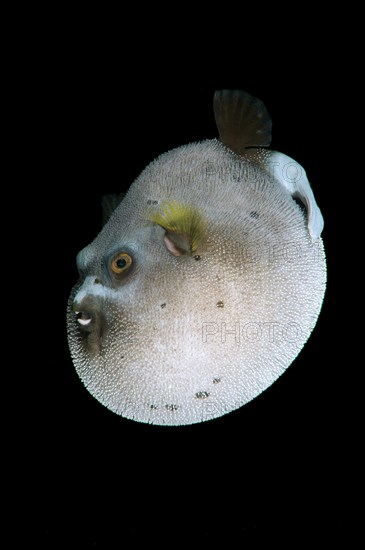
(121, 263)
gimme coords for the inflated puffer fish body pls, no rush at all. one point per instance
(206, 281)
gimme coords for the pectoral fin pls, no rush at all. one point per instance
(184, 227)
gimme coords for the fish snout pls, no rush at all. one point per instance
(86, 305)
(85, 311)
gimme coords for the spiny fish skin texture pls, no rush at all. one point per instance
(206, 281)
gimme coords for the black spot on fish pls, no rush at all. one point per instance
(216, 380)
(210, 168)
(254, 214)
(163, 305)
(220, 304)
(171, 407)
(202, 395)
(197, 257)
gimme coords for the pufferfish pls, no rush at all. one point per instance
(207, 279)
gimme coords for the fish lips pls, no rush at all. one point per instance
(86, 319)
(90, 322)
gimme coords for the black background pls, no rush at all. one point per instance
(279, 463)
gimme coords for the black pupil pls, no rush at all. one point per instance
(121, 263)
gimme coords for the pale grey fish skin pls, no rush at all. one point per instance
(185, 339)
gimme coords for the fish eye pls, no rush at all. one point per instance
(121, 263)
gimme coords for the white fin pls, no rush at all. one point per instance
(292, 176)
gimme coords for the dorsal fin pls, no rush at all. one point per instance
(242, 120)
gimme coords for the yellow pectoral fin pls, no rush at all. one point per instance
(185, 227)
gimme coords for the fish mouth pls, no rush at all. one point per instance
(86, 318)
(83, 318)
(90, 329)
(88, 322)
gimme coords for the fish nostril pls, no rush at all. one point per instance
(97, 281)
